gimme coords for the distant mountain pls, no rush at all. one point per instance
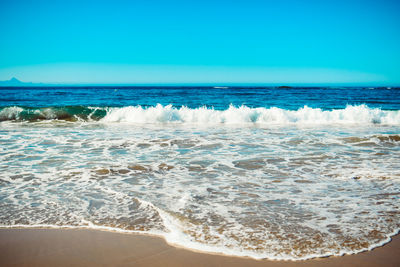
(15, 82)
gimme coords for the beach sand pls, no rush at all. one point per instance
(81, 247)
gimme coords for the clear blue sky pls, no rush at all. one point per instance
(238, 41)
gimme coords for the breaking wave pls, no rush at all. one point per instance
(159, 114)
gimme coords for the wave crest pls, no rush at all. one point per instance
(159, 114)
(244, 115)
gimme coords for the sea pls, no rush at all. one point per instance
(283, 173)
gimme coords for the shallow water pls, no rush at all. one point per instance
(308, 182)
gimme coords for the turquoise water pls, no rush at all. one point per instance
(279, 173)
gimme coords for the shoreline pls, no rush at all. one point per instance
(164, 238)
(92, 247)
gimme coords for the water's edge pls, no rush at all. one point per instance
(211, 251)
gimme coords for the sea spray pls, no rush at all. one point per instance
(361, 114)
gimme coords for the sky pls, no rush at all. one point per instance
(208, 41)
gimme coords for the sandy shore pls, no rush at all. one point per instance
(54, 247)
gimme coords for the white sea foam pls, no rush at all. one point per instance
(10, 113)
(278, 192)
(245, 115)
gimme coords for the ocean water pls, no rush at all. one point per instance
(277, 173)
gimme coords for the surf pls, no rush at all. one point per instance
(168, 114)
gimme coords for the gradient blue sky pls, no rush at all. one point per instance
(342, 41)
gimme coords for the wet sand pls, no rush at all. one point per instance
(81, 247)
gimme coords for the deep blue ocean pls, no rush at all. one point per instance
(193, 97)
(266, 172)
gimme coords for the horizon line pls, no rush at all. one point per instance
(202, 85)
(15, 82)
